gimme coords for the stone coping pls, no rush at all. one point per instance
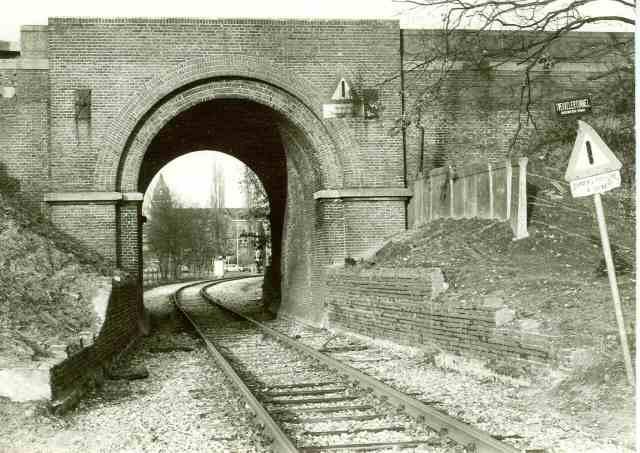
(41, 64)
(87, 197)
(394, 23)
(9, 46)
(34, 28)
(384, 272)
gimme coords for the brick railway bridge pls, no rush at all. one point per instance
(91, 109)
(126, 96)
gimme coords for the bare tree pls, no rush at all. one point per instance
(218, 221)
(216, 196)
(490, 34)
(164, 230)
(259, 210)
(257, 198)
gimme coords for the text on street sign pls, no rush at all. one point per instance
(573, 106)
(595, 184)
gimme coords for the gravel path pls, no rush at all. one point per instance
(185, 405)
(506, 408)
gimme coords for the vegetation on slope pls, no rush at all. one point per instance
(46, 282)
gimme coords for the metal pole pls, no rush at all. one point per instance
(606, 248)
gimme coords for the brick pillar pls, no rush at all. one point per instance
(129, 242)
(328, 248)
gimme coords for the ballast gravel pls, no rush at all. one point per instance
(502, 407)
(185, 405)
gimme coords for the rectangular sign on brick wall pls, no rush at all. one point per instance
(573, 106)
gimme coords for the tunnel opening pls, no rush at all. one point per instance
(205, 215)
(268, 144)
(268, 122)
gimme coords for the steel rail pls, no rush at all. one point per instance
(281, 442)
(472, 438)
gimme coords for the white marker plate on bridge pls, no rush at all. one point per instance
(595, 184)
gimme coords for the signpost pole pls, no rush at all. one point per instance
(606, 248)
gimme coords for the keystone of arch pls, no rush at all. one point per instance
(152, 92)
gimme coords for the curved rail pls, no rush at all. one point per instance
(280, 441)
(472, 438)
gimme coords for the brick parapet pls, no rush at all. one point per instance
(392, 24)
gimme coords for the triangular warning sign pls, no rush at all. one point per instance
(590, 156)
(342, 91)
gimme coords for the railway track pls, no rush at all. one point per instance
(306, 401)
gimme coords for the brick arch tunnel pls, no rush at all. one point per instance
(276, 132)
(246, 130)
(284, 143)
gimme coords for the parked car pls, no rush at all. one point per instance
(232, 268)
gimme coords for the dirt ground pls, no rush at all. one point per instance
(185, 405)
(556, 282)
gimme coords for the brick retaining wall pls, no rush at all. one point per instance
(85, 363)
(401, 305)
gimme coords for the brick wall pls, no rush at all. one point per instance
(306, 58)
(297, 242)
(84, 366)
(24, 127)
(369, 222)
(401, 305)
(476, 116)
(92, 223)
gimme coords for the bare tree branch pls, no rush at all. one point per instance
(526, 32)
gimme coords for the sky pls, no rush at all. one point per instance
(189, 177)
(31, 12)
(34, 12)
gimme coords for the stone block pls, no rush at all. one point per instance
(492, 301)
(529, 325)
(579, 358)
(438, 284)
(25, 384)
(504, 316)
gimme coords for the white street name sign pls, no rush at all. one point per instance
(595, 184)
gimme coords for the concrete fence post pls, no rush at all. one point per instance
(508, 182)
(465, 194)
(491, 195)
(418, 204)
(450, 178)
(520, 231)
(430, 214)
(412, 210)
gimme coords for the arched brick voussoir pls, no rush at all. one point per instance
(158, 88)
(322, 154)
